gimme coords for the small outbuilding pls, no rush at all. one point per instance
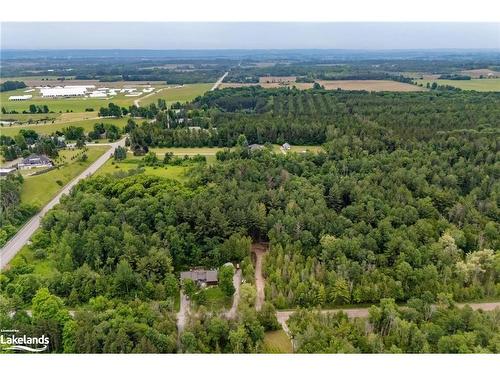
(286, 146)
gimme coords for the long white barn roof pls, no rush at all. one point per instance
(63, 91)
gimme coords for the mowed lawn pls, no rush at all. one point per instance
(46, 129)
(489, 84)
(277, 342)
(369, 85)
(173, 94)
(39, 190)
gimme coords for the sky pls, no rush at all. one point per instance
(251, 35)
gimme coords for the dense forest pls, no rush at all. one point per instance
(400, 206)
(314, 116)
(13, 213)
(418, 328)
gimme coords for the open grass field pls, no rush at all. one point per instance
(175, 172)
(491, 84)
(369, 85)
(191, 151)
(173, 94)
(51, 128)
(277, 342)
(39, 190)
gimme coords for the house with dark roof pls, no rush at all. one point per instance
(201, 276)
(35, 161)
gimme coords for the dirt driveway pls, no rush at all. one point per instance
(259, 249)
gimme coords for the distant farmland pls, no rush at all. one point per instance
(370, 85)
(87, 125)
(181, 94)
(490, 84)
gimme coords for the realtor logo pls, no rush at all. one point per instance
(23, 343)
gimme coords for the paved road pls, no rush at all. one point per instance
(259, 250)
(137, 101)
(231, 314)
(24, 234)
(11, 163)
(219, 81)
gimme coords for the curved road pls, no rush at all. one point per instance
(15, 244)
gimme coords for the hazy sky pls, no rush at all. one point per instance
(249, 35)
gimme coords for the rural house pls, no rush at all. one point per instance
(201, 276)
(35, 161)
(286, 146)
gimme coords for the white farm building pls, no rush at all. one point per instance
(64, 92)
(20, 97)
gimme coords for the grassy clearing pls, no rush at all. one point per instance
(181, 151)
(39, 190)
(43, 267)
(175, 172)
(491, 84)
(87, 125)
(370, 85)
(216, 300)
(299, 149)
(174, 94)
(277, 342)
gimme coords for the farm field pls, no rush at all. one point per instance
(38, 190)
(175, 94)
(369, 85)
(271, 85)
(50, 128)
(62, 104)
(491, 84)
(477, 73)
(48, 80)
(277, 342)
